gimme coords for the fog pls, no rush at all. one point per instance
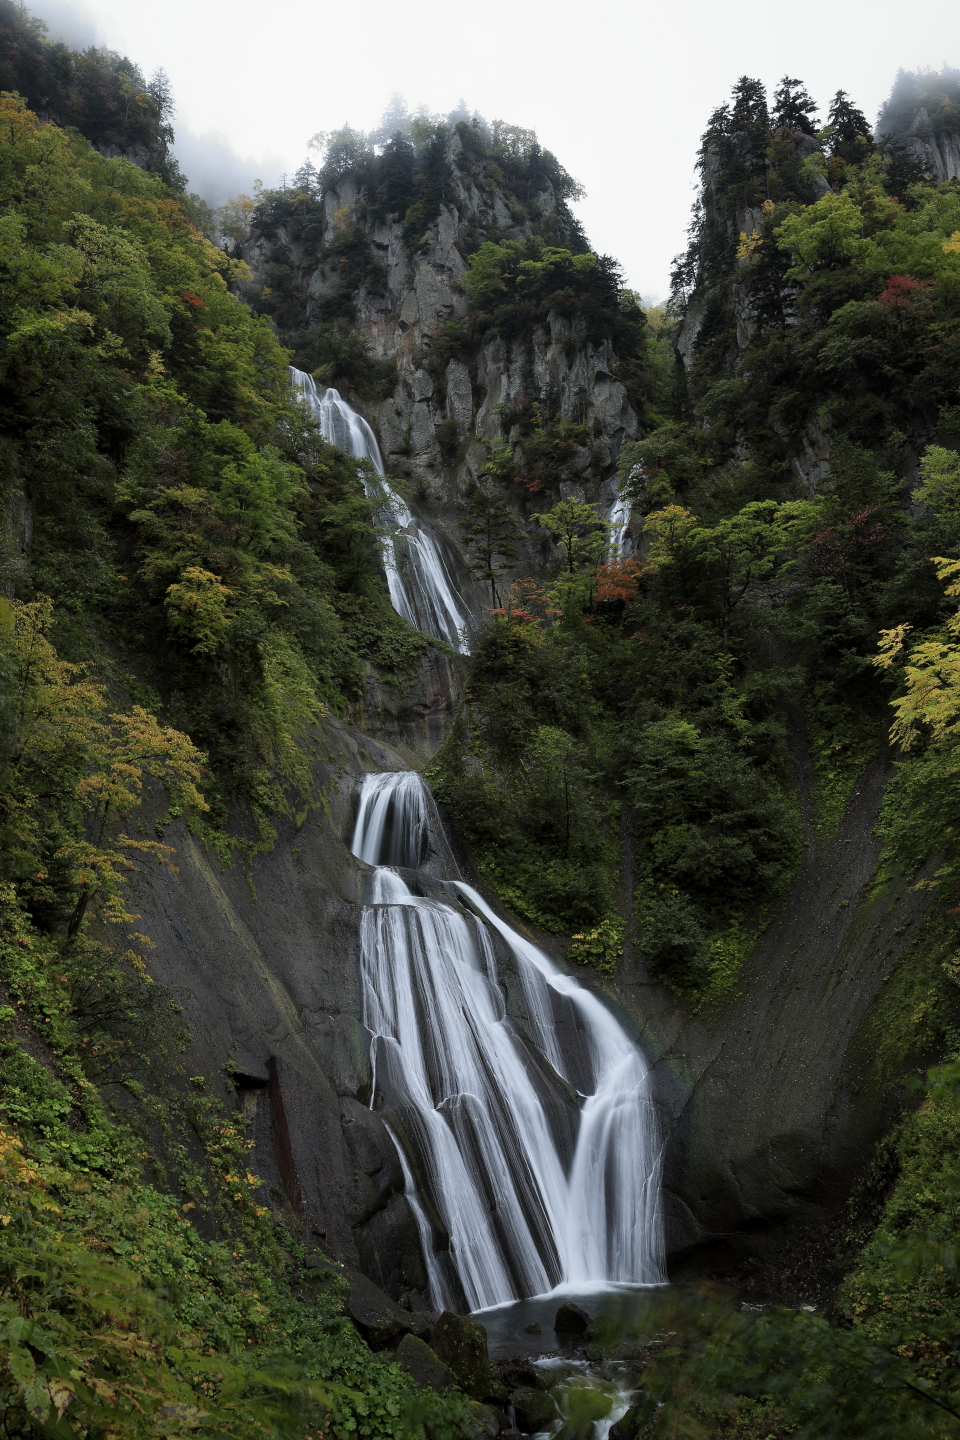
(621, 95)
(215, 170)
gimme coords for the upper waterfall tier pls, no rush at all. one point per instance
(534, 1142)
(421, 589)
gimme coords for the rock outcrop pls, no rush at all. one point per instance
(436, 424)
(265, 962)
(937, 151)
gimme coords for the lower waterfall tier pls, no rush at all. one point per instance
(520, 1107)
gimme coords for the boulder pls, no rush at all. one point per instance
(422, 1365)
(378, 1318)
(462, 1344)
(533, 1329)
(628, 1426)
(534, 1409)
(483, 1422)
(516, 1373)
(571, 1321)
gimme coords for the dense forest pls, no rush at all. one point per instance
(193, 589)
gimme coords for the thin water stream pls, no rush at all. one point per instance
(521, 1107)
(619, 522)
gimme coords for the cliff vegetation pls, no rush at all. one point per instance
(192, 580)
(649, 740)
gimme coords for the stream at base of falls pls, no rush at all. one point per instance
(591, 1381)
(520, 1107)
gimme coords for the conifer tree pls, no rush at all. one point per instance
(848, 123)
(749, 112)
(490, 534)
(793, 107)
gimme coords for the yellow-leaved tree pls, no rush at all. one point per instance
(75, 771)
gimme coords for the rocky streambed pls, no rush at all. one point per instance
(545, 1367)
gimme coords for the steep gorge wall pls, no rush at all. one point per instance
(401, 322)
(776, 1097)
(264, 960)
(771, 1104)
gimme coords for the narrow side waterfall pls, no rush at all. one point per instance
(419, 582)
(529, 1144)
(619, 521)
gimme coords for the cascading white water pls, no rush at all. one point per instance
(619, 521)
(540, 1157)
(420, 586)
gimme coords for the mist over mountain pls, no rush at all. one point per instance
(216, 172)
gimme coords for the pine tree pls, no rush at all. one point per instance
(306, 178)
(490, 535)
(749, 111)
(848, 124)
(793, 107)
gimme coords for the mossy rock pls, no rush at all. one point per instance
(423, 1366)
(534, 1409)
(462, 1344)
(483, 1422)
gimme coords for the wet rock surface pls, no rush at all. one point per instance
(485, 1421)
(422, 1365)
(772, 1107)
(535, 1409)
(377, 1317)
(571, 1321)
(462, 1344)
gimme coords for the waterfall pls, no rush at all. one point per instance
(533, 1144)
(417, 577)
(619, 521)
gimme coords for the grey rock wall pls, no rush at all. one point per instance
(265, 963)
(422, 291)
(939, 153)
(773, 1101)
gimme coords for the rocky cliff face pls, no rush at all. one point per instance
(937, 151)
(436, 423)
(266, 967)
(771, 1103)
(776, 1099)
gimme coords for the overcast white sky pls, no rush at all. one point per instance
(620, 92)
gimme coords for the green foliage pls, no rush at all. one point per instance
(919, 816)
(940, 480)
(579, 532)
(515, 284)
(490, 533)
(601, 947)
(548, 448)
(717, 841)
(75, 771)
(185, 506)
(99, 93)
(783, 1373)
(521, 777)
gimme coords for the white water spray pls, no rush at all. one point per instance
(619, 521)
(538, 1153)
(420, 586)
